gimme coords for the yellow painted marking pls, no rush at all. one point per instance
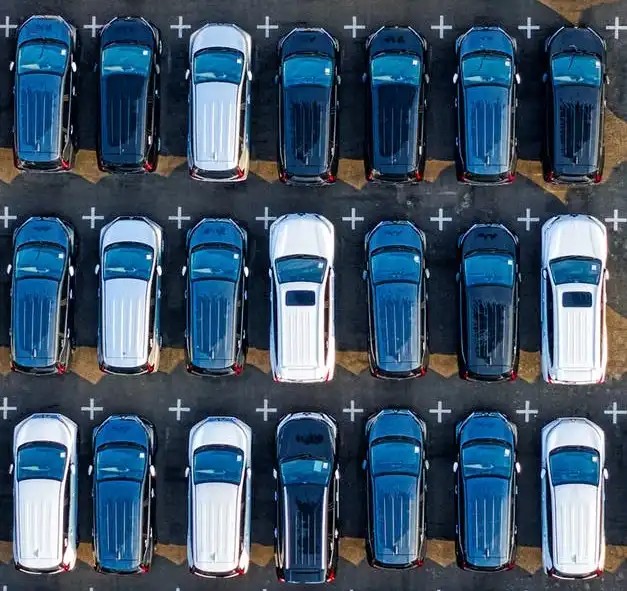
(259, 358)
(615, 142)
(614, 557)
(529, 368)
(85, 553)
(7, 170)
(529, 558)
(84, 362)
(617, 345)
(261, 555)
(352, 172)
(265, 169)
(6, 552)
(86, 166)
(353, 550)
(170, 359)
(441, 552)
(443, 364)
(434, 168)
(5, 363)
(572, 11)
(173, 552)
(168, 164)
(353, 361)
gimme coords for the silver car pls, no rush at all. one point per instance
(219, 78)
(129, 339)
(219, 497)
(45, 497)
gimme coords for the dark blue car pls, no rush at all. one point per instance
(396, 274)
(486, 79)
(216, 295)
(396, 469)
(42, 296)
(123, 491)
(485, 492)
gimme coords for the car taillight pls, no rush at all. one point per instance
(510, 177)
(549, 177)
(237, 369)
(12, 365)
(240, 173)
(150, 368)
(510, 566)
(149, 166)
(462, 177)
(144, 568)
(513, 375)
(418, 562)
(328, 376)
(598, 572)
(423, 371)
(188, 367)
(331, 576)
(61, 368)
(549, 379)
(464, 375)
(598, 177)
(65, 164)
(370, 175)
(65, 567)
(330, 178)
(283, 176)
(240, 571)
(418, 175)
(101, 366)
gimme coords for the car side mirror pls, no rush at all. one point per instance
(11, 66)
(187, 74)
(607, 274)
(455, 467)
(543, 474)
(427, 78)
(338, 79)
(187, 472)
(153, 471)
(90, 470)
(517, 78)
(72, 468)
(544, 273)
(455, 78)
(249, 472)
(71, 271)
(337, 474)
(517, 467)
(427, 464)
(276, 78)
(364, 77)
(249, 75)
(457, 276)
(364, 464)
(184, 271)
(427, 273)
(274, 474)
(606, 474)
(607, 79)
(159, 270)
(9, 268)
(270, 273)
(364, 274)
(545, 77)
(246, 272)
(11, 469)
(73, 66)
(96, 269)
(519, 277)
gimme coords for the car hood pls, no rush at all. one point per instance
(122, 429)
(481, 425)
(302, 235)
(306, 436)
(305, 507)
(394, 422)
(574, 236)
(393, 234)
(486, 39)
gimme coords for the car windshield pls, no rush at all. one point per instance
(218, 65)
(125, 58)
(489, 269)
(38, 57)
(45, 460)
(576, 68)
(305, 471)
(574, 465)
(395, 68)
(128, 261)
(486, 68)
(218, 464)
(121, 462)
(308, 70)
(486, 459)
(576, 270)
(395, 266)
(215, 262)
(308, 269)
(42, 260)
(394, 457)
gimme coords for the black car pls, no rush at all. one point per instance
(396, 273)
(396, 470)
(123, 492)
(216, 298)
(42, 296)
(575, 80)
(488, 279)
(308, 80)
(396, 82)
(486, 79)
(307, 498)
(130, 50)
(485, 492)
(44, 137)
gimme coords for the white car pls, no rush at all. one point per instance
(572, 307)
(219, 497)
(45, 494)
(302, 301)
(573, 478)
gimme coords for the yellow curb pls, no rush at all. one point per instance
(259, 358)
(6, 552)
(353, 361)
(8, 172)
(529, 367)
(352, 173)
(168, 164)
(529, 558)
(441, 552)
(352, 550)
(445, 365)
(170, 358)
(261, 555)
(84, 364)
(173, 552)
(86, 166)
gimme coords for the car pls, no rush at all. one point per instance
(216, 298)
(396, 467)
(307, 498)
(44, 94)
(129, 74)
(220, 80)
(396, 275)
(42, 296)
(123, 494)
(575, 79)
(486, 472)
(488, 282)
(485, 101)
(572, 300)
(308, 81)
(219, 497)
(572, 481)
(396, 83)
(129, 274)
(45, 494)
(302, 299)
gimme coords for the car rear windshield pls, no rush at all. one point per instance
(485, 68)
(215, 263)
(393, 457)
(486, 459)
(489, 269)
(305, 471)
(121, 462)
(575, 68)
(45, 460)
(310, 70)
(395, 68)
(124, 58)
(218, 65)
(38, 57)
(218, 465)
(574, 466)
(128, 261)
(395, 265)
(42, 260)
(301, 268)
(576, 270)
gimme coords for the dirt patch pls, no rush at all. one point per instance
(353, 361)
(441, 552)
(84, 363)
(353, 550)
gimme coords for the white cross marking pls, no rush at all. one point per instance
(352, 411)
(353, 218)
(616, 27)
(266, 410)
(180, 27)
(440, 411)
(5, 408)
(178, 409)
(614, 412)
(354, 27)
(91, 409)
(615, 220)
(6, 218)
(179, 217)
(265, 218)
(528, 27)
(94, 26)
(441, 27)
(8, 26)
(527, 412)
(440, 219)
(267, 27)
(93, 218)
(528, 219)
